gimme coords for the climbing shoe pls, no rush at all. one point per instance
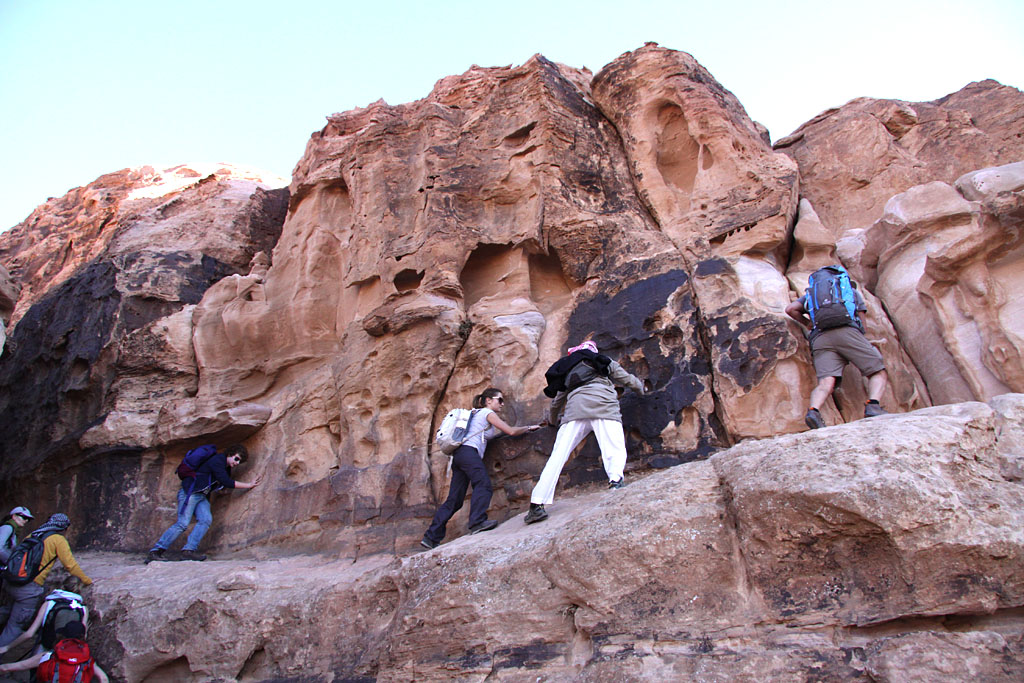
(192, 556)
(485, 525)
(537, 513)
(428, 544)
(871, 409)
(813, 419)
(156, 555)
(617, 484)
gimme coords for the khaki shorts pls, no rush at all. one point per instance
(833, 349)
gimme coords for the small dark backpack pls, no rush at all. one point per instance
(830, 299)
(23, 564)
(65, 609)
(71, 662)
(194, 459)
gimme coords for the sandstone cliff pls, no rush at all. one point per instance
(426, 251)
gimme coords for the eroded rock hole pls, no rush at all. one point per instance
(482, 275)
(408, 279)
(549, 289)
(520, 136)
(678, 153)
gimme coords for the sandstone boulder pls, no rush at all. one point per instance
(888, 549)
(947, 269)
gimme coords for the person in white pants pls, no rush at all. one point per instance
(583, 384)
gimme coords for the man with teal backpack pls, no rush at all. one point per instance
(829, 310)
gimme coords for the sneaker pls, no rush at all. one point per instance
(813, 419)
(192, 556)
(537, 513)
(428, 544)
(485, 525)
(617, 484)
(873, 409)
(156, 555)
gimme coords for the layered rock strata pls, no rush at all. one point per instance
(884, 550)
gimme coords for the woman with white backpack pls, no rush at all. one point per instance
(468, 468)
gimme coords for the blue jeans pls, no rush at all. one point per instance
(198, 505)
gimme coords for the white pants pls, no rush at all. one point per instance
(610, 439)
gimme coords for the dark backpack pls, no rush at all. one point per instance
(63, 611)
(194, 459)
(23, 564)
(71, 662)
(830, 300)
(559, 371)
(581, 374)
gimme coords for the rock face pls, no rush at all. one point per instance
(102, 338)
(433, 249)
(852, 159)
(947, 269)
(882, 550)
(426, 251)
(9, 291)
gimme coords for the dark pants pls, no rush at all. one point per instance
(467, 468)
(23, 611)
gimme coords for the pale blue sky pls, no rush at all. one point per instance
(92, 87)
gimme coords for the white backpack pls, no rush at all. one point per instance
(454, 430)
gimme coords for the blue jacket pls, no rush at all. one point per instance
(212, 475)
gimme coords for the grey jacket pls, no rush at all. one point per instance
(8, 542)
(596, 399)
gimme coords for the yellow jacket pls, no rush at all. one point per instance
(57, 546)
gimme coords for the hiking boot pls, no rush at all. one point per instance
(537, 513)
(873, 409)
(485, 525)
(156, 555)
(617, 484)
(192, 556)
(813, 419)
(428, 544)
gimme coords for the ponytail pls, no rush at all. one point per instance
(480, 399)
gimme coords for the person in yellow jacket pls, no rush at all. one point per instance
(26, 598)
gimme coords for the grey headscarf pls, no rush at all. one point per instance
(58, 522)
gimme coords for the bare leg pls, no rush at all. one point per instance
(876, 385)
(824, 388)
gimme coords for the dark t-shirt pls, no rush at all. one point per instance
(214, 474)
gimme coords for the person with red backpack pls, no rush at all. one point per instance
(28, 567)
(203, 471)
(70, 661)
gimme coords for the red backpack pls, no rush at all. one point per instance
(70, 662)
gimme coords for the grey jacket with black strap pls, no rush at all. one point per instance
(594, 397)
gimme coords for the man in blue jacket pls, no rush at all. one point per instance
(194, 499)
